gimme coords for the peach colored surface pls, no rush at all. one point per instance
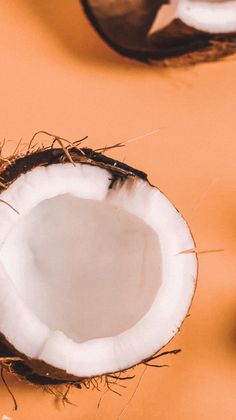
(57, 75)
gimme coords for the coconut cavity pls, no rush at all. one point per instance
(87, 268)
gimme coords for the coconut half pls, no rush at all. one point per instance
(94, 273)
(198, 30)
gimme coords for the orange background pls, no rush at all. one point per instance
(57, 75)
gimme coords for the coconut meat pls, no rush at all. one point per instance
(212, 16)
(93, 280)
(78, 261)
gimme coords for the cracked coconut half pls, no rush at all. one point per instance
(97, 268)
(186, 31)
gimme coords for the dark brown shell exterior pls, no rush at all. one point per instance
(176, 44)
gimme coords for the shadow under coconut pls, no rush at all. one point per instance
(67, 23)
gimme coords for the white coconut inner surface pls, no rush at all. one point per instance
(86, 268)
(92, 279)
(212, 16)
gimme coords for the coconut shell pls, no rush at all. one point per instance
(176, 44)
(34, 370)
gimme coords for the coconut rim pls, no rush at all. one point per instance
(54, 340)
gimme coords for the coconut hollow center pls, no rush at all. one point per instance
(84, 267)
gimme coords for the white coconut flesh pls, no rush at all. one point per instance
(212, 16)
(93, 280)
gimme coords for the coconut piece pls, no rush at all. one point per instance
(193, 30)
(97, 266)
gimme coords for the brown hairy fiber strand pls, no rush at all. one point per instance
(16, 165)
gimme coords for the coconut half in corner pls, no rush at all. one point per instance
(94, 276)
(197, 30)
